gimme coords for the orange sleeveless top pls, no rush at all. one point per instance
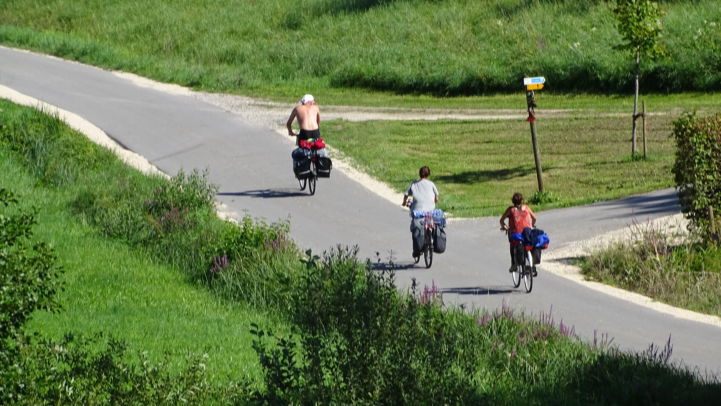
(519, 219)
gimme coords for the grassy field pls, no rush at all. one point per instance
(452, 47)
(116, 290)
(477, 165)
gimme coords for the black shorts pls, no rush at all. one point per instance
(305, 134)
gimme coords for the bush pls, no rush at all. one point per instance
(360, 341)
(99, 371)
(27, 283)
(27, 270)
(697, 172)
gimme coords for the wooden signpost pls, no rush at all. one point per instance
(533, 84)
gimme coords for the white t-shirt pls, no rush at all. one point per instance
(424, 194)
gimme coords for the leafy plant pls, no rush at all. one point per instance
(27, 270)
(360, 341)
(99, 371)
(27, 283)
(697, 171)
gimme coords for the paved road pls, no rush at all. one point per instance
(252, 167)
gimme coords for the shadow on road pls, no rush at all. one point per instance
(386, 266)
(644, 205)
(265, 193)
(481, 290)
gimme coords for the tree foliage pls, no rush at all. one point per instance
(639, 23)
(697, 170)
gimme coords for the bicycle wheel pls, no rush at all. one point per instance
(428, 249)
(302, 183)
(528, 272)
(516, 275)
(312, 179)
(517, 269)
(311, 185)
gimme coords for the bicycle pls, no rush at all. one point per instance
(523, 267)
(427, 249)
(313, 167)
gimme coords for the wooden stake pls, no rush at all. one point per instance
(643, 117)
(714, 236)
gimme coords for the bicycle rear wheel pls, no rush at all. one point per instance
(528, 272)
(428, 249)
(311, 185)
(313, 177)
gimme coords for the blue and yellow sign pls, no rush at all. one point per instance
(534, 83)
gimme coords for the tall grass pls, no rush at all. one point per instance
(681, 272)
(452, 47)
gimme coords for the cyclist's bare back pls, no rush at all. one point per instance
(308, 115)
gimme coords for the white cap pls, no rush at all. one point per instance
(306, 98)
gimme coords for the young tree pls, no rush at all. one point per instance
(639, 22)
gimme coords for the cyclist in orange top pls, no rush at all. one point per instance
(519, 217)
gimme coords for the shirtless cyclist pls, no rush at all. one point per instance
(308, 115)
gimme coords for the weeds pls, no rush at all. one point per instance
(671, 268)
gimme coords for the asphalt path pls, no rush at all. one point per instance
(252, 166)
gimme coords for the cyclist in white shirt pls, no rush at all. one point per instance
(425, 196)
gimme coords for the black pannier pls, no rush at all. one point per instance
(301, 163)
(439, 240)
(323, 167)
(301, 168)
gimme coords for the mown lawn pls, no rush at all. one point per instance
(478, 165)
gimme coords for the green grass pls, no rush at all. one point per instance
(477, 165)
(119, 291)
(453, 47)
(656, 264)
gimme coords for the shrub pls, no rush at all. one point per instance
(360, 341)
(697, 171)
(171, 202)
(27, 283)
(99, 371)
(27, 270)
